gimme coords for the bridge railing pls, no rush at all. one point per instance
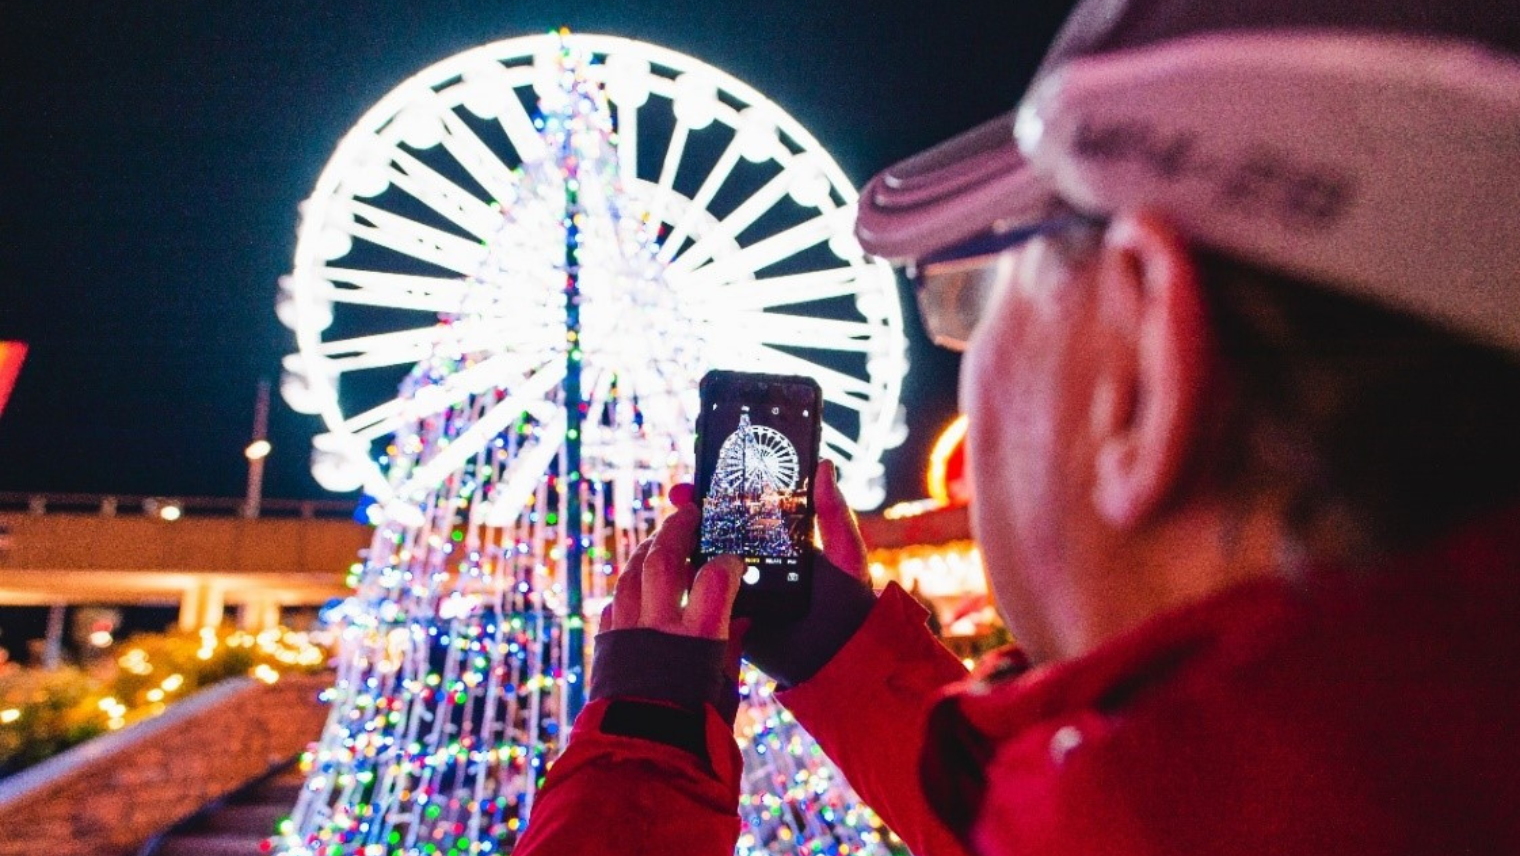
(112, 505)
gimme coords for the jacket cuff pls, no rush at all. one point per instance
(597, 739)
(682, 671)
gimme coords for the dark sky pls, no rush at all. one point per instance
(152, 156)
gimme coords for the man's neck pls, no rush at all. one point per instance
(1190, 555)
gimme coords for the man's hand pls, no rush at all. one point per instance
(842, 544)
(793, 651)
(652, 586)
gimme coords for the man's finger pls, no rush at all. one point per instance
(712, 598)
(606, 622)
(626, 598)
(842, 543)
(664, 577)
(682, 493)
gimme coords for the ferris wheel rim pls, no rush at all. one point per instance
(778, 455)
(442, 77)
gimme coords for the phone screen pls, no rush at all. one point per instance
(757, 451)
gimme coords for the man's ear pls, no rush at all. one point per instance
(1153, 368)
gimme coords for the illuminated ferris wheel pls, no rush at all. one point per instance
(755, 460)
(746, 260)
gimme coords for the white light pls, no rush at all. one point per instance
(9, 716)
(419, 126)
(335, 472)
(880, 364)
(338, 462)
(898, 433)
(457, 605)
(756, 134)
(696, 100)
(485, 86)
(258, 450)
(870, 496)
(546, 74)
(846, 246)
(809, 186)
(334, 243)
(627, 80)
(405, 514)
(1029, 126)
(369, 180)
(170, 513)
(102, 638)
(301, 390)
(371, 173)
(870, 303)
(304, 307)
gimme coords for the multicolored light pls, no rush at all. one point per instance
(461, 650)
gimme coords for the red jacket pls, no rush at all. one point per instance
(1350, 711)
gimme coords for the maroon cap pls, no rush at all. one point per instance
(1372, 146)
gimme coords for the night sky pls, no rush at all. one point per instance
(152, 157)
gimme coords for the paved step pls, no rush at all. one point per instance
(210, 844)
(240, 825)
(252, 819)
(278, 791)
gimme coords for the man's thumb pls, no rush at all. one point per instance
(712, 598)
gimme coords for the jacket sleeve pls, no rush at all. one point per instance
(868, 709)
(637, 782)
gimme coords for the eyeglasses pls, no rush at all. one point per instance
(955, 284)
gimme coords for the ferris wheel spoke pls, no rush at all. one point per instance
(797, 331)
(628, 144)
(730, 227)
(376, 422)
(505, 370)
(764, 253)
(472, 440)
(381, 349)
(516, 485)
(673, 153)
(774, 291)
(434, 294)
(518, 126)
(704, 197)
(835, 439)
(407, 346)
(600, 397)
(478, 160)
(417, 240)
(461, 207)
(837, 386)
(844, 399)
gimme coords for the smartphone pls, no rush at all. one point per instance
(757, 452)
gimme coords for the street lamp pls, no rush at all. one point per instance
(257, 451)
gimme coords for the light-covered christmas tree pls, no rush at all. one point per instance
(794, 801)
(512, 506)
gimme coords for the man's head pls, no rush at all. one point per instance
(1294, 227)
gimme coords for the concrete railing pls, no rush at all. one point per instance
(124, 505)
(109, 795)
